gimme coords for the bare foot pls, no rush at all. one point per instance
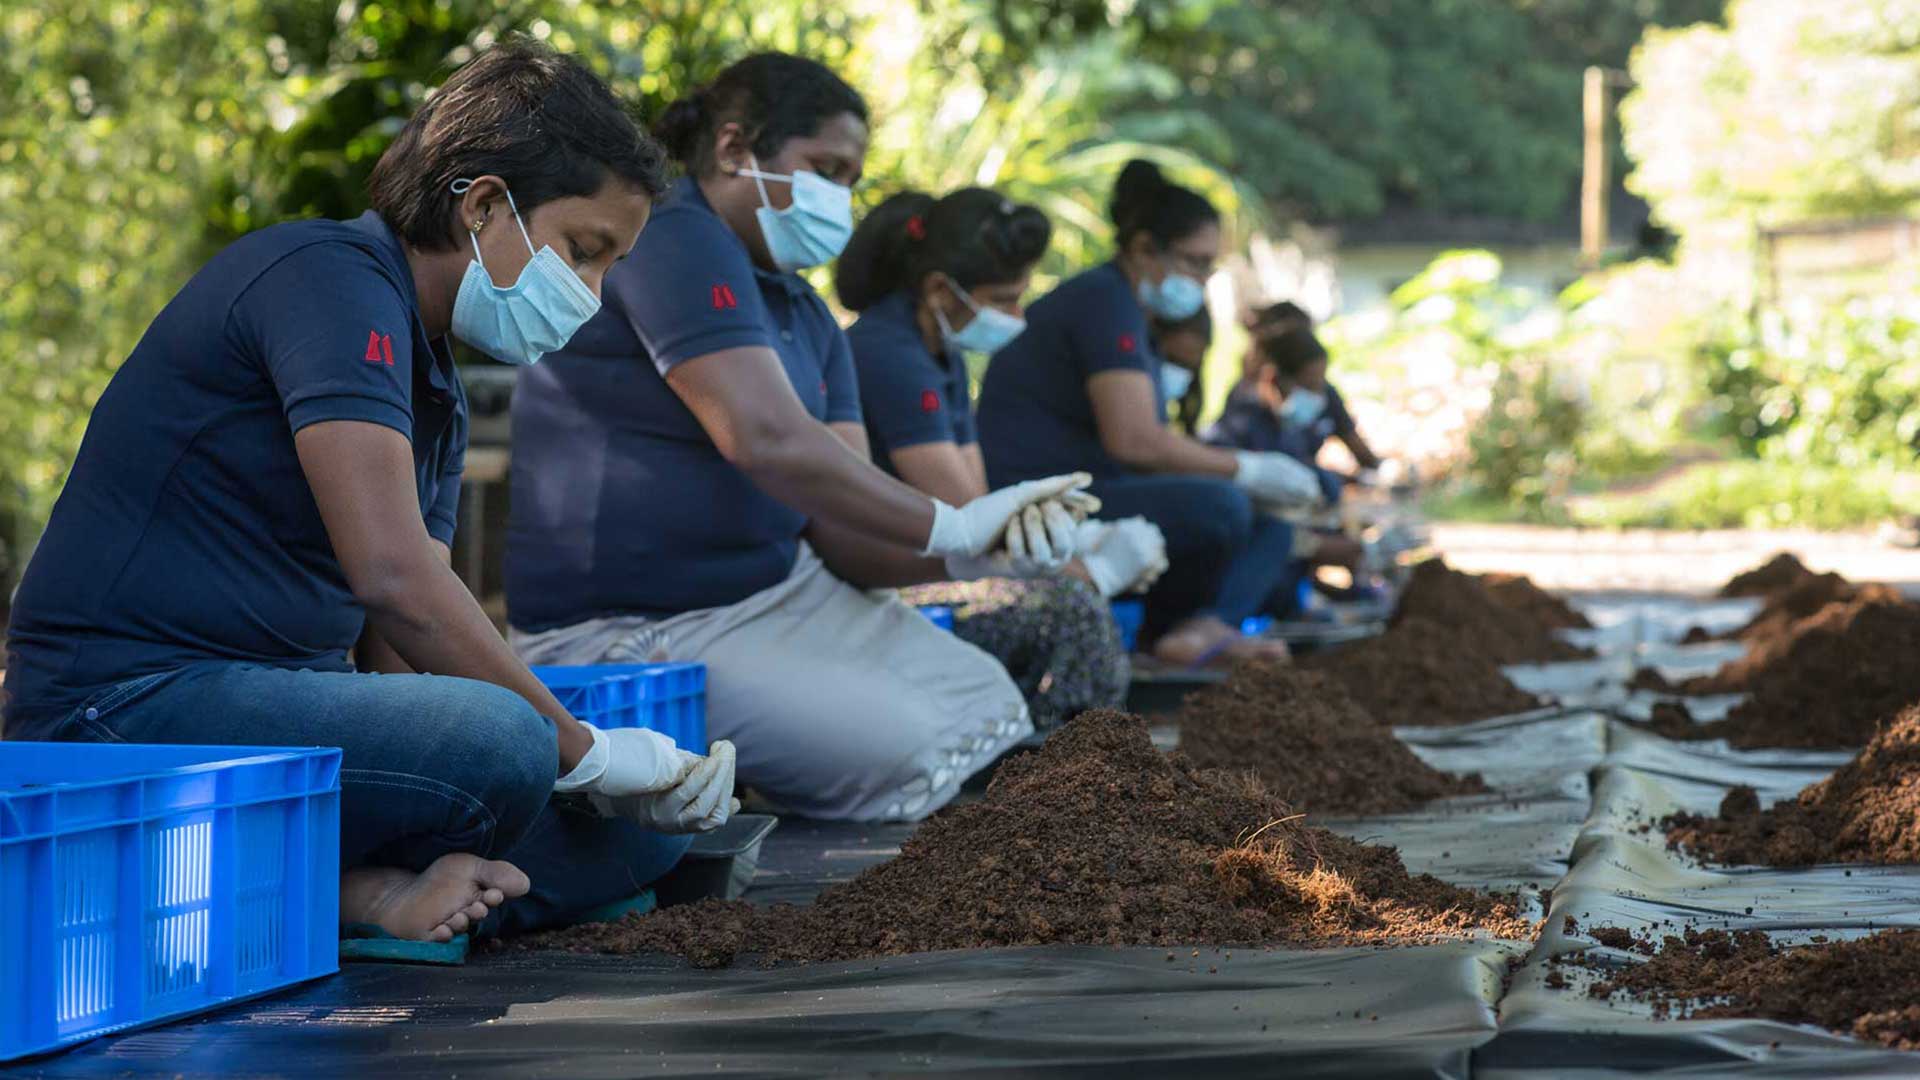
(1206, 641)
(438, 904)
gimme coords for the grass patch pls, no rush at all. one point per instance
(1469, 505)
(1756, 495)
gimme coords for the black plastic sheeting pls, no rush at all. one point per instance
(1578, 791)
(1623, 875)
(1066, 1011)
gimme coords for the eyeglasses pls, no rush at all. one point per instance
(1200, 268)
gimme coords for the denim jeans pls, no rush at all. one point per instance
(431, 765)
(1224, 558)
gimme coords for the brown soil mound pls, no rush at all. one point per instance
(1868, 812)
(1422, 673)
(1464, 605)
(1769, 640)
(1517, 592)
(1097, 839)
(1304, 738)
(1862, 988)
(1785, 610)
(1848, 670)
(1779, 572)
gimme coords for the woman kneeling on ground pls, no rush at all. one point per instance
(690, 475)
(1285, 404)
(272, 475)
(1081, 390)
(934, 280)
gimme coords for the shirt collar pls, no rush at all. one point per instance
(440, 372)
(898, 307)
(686, 192)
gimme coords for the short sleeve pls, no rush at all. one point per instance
(688, 290)
(904, 393)
(334, 333)
(843, 385)
(1109, 335)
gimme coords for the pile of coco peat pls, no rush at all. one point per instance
(1439, 661)
(1867, 812)
(1505, 618)
(1780, 572)
(1822, 600)
(1305, 739)
(1422, 673)
(1518, 593)
(1863, 988)
(1848, 669)
(1095, 839)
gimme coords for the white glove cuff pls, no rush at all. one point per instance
(592, 766)
(946, 537)
(1105, 576)
(1243, 466)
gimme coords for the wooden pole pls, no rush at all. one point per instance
(1594, 180)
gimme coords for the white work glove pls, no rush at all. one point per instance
(1276, 479)
(1033, 521)
(627, 761)
(700, 802)
(1123, 556)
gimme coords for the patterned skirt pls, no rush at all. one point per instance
(1056, 637)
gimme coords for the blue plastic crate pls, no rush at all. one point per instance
(1131, 615)
(939, 615)
(146, 883)
(668, 698)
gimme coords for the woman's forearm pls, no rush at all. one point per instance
(862, 560)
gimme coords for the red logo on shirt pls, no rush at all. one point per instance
(723, 298)
(929, 401)
(1126, 343)
(379, 348)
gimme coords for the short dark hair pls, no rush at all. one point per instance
(772, 96)
(1144, 200)
(1281, 315)
(536, 118)
(974, 236)
(1292, 350)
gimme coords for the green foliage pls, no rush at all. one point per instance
(1756, 495)
(1519, 419)
(1340, 110)
(1793, 111)
(120, 125)
(1839, 386)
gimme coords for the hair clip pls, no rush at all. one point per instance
(917, 227)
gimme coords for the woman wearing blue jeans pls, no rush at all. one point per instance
(252, 547)
(1082, 390)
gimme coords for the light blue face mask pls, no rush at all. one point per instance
(1174, 380)
(535, 315)
(1174, 298)
(1302, 407)
(988, 332)
(814, 229)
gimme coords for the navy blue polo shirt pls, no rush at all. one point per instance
(1248, 424)
(621, 502)
(186, 531)
(909, 395)
(1035, 417)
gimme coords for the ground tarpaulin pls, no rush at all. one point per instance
(1577, 793)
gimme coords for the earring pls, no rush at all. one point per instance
(478, 224)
